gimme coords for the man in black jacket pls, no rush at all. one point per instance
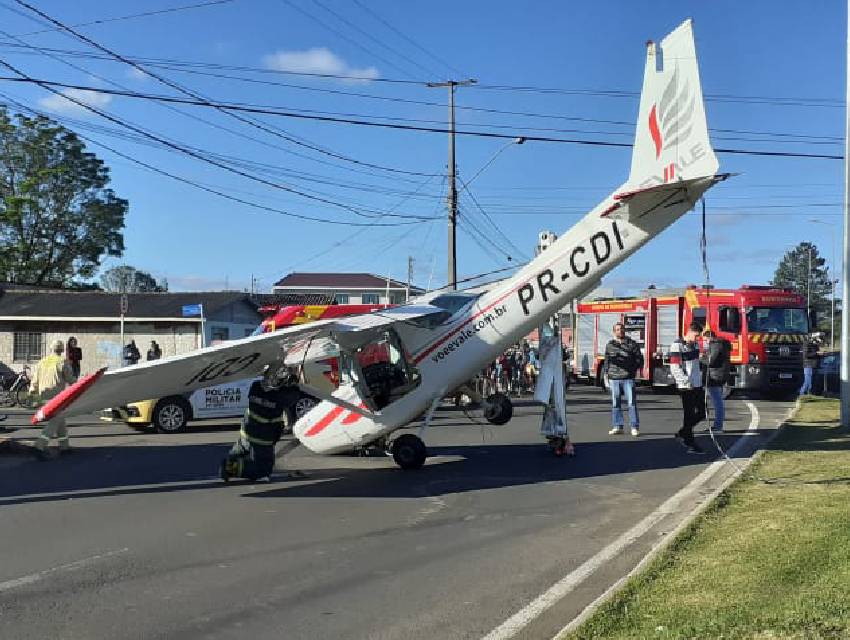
(716, 361)
(810, 363)
(623, 360)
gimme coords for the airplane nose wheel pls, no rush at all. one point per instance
(409, 451)
(498, 409)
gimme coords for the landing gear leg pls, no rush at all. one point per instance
(282, 450)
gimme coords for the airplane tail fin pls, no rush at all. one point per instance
(671, 141)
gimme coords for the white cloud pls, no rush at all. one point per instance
(61, 104)
(317, 60)
(137, 74)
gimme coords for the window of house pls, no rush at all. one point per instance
(27, 346)
(397, 297)
(371, 298)
(341, 298)
(220, 333)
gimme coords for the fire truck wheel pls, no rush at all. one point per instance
(498, 409)
(409, 452)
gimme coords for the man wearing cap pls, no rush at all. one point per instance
(269, 400)
(52, 374)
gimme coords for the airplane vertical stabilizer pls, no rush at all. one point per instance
(671, 141)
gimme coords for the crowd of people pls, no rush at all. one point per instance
(512, 373)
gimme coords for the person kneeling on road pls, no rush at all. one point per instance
(717, 372)
(685, 367)
(269, 399)
(623, 360)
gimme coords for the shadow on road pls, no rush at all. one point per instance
(115, 471)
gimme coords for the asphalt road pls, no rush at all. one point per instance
(132, 536)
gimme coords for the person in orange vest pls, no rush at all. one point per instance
(52, 374)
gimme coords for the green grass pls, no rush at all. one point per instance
(766, 560)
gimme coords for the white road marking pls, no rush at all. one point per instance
(522, 618)
(754, 417)
(71, 566)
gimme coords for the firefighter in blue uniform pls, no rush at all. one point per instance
(270, 399)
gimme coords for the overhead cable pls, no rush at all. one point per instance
(387, 125)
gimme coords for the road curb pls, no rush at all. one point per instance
(665, 541)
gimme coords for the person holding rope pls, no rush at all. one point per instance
(685, 367)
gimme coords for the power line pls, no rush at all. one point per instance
(490, 220)
(190, 152)
(388, 125)
(616, 93)
(371, 37)
(339, 34)
(145, 14)
(409, 39)
(221, 194)
(271, 130)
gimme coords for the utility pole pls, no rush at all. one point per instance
(451, 198)
(845, 271)
(809, 286)
(409, 277)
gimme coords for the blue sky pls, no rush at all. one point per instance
(753, 57)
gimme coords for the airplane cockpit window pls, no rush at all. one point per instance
(453, 302)
(383, 369)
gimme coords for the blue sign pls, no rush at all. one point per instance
(190, 310)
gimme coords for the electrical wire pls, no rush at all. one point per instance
(372, 38)
(228, 196)
(339, 34)
(145, 14)
(271, 130)
(481, 134)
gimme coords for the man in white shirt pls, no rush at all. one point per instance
(685, 367)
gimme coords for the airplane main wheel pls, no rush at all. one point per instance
(498, 409)
(409, 452)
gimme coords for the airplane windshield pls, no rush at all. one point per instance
(453, 302)
(776, 320)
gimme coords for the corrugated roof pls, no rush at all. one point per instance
(79, 304)
(340, 280)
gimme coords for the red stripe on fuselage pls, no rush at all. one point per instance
(322, 424)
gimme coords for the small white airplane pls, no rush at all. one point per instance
(428, 348)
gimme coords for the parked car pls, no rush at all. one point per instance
(827, 377)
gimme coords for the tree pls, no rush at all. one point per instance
(58, 218)
(127, 279)
(794, 273)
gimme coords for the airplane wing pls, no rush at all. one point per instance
(232, 360)
(634, 205)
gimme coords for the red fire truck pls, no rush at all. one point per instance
(767, 327)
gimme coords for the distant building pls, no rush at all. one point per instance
(31, 318)
(347, 288)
